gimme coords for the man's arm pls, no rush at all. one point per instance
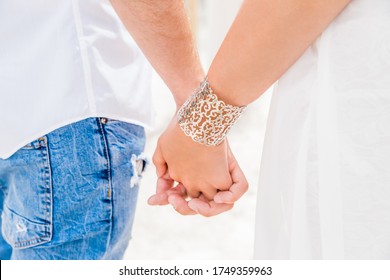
(162, 31)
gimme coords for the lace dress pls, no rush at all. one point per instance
(324, 190)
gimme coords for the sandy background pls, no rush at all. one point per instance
(160, 232)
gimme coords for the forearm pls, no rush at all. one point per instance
(266, 38)
(162, 31)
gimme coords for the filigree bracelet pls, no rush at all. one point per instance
(206, 119)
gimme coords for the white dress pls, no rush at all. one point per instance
(325, 174)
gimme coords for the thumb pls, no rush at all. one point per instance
(240, 184)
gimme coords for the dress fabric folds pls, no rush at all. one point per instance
(324, 189)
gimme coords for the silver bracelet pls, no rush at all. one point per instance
(206, 119)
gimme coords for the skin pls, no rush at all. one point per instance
(246, 65)
(265, 39)
(162, 31)
(222, 201)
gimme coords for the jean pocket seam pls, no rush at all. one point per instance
(38, 240)
(47, 178)
(21, 231)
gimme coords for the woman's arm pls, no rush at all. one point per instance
(266, 38)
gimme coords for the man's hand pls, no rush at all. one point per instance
(209, 175)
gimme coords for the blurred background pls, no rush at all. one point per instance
(160, 232)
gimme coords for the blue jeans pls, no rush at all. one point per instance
(72, 193)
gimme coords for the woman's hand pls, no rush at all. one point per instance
(201, 169)
(209, 175)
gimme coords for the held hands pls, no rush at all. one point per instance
(207, 175)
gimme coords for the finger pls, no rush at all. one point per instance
(208, 194)
(203, 198)
(178, 189)
(193, 193)
(158, 199)
(240, 184)
(161, 196)
(208, 209)
(164, 184)
(180, 204)
(159, 162)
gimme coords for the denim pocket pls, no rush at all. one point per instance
(27, 213)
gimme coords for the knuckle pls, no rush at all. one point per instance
(174, 175)
(155, 159)
(210, 194)
(193, 193)
(192, 189)
(225, 184)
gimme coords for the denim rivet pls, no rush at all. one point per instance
(103, 120)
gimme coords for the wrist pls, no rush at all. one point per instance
(185, 87)
(190, 144)
(205, 118)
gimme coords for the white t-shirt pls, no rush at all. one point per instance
(62, 61)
